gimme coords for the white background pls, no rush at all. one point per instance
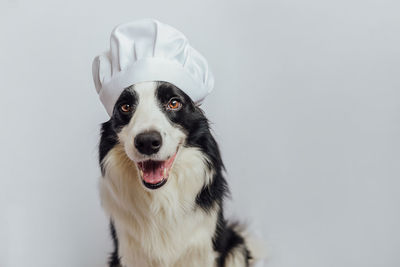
(306, 110)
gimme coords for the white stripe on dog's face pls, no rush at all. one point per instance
(149, 117)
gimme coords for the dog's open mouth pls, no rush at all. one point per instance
(154, 173)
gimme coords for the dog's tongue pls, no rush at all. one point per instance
(153, 172)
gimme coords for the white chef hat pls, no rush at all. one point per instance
(148, 50)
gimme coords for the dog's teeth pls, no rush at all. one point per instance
(165, 172)
(141, 173)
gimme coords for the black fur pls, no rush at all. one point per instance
(108, 140)
(226, 239)
(194, 123)
(114, 260)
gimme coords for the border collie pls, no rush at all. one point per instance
(162, 184)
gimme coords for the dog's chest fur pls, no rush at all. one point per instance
(164, 229)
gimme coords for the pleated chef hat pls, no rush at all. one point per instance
(148, 50)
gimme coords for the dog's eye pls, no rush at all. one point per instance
(126, 108)
(174, 104)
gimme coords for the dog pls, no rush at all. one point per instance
(162, 184)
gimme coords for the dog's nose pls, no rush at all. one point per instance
(148, 142)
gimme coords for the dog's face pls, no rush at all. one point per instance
(153, 121)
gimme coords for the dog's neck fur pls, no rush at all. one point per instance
(160, 228)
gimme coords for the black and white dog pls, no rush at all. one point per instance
(163, 185)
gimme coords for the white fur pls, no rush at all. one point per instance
(236, 257)
(161, 228)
